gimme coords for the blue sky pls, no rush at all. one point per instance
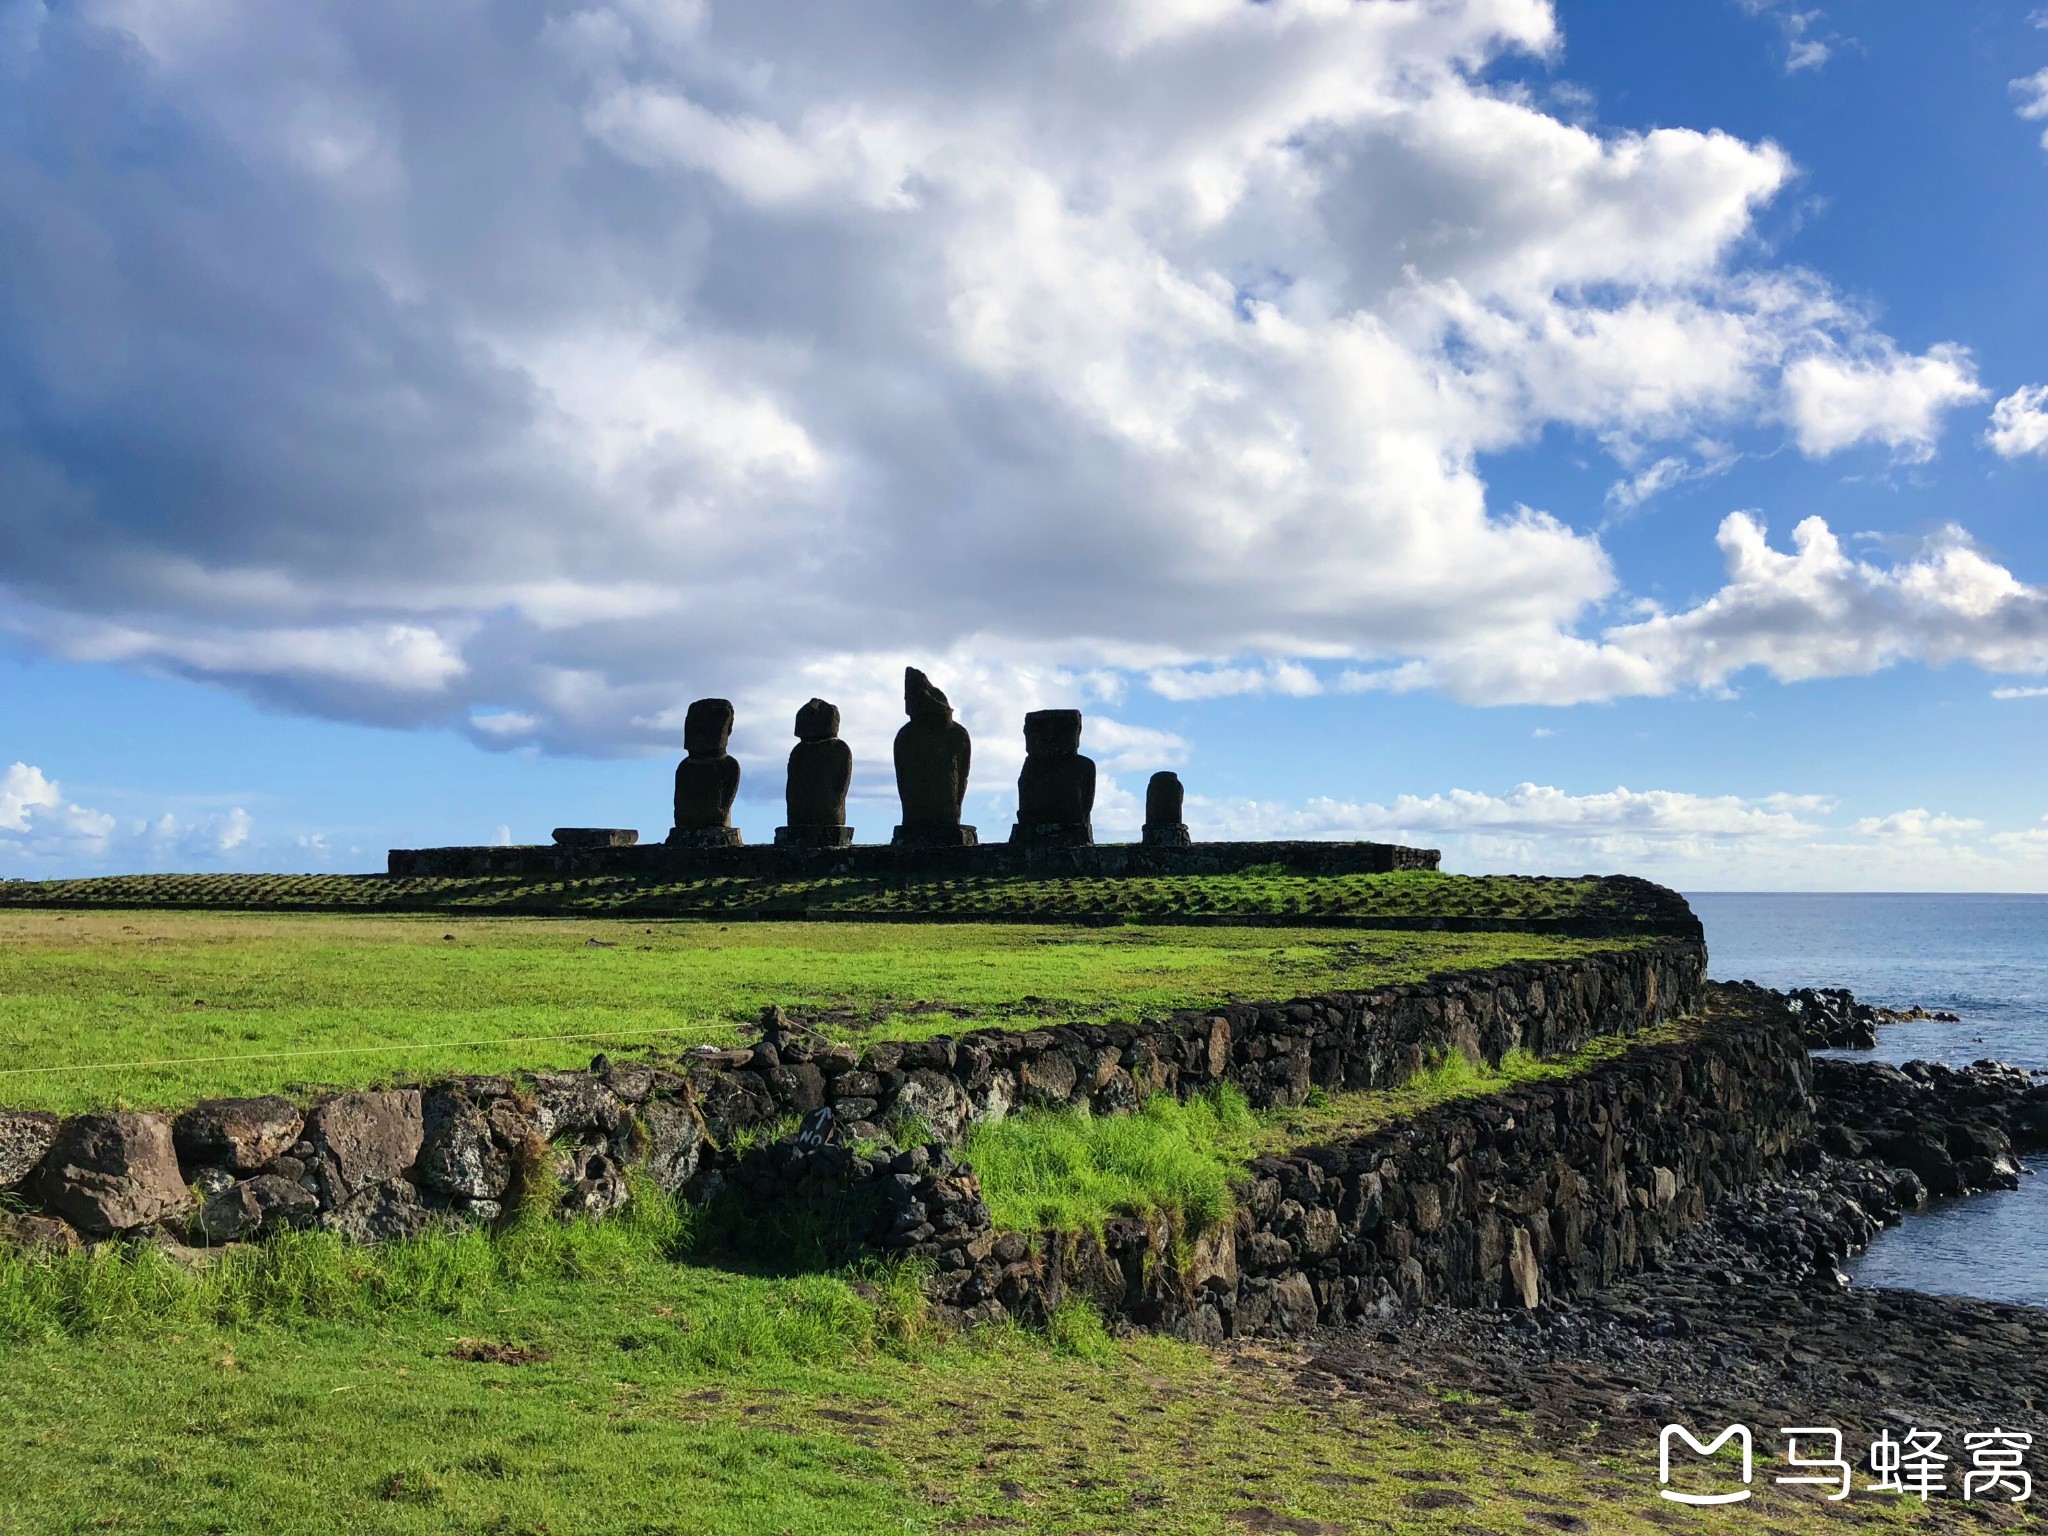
(1395, 417)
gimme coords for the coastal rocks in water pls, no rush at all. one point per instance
(361, 1139)
(241, 1135)
(707, 779)
(1830, 1018)
(1164, 799)
(25, 1135)
(113, 1173)
(246, 1210)
(1056, 790)
(1954, 1129)
(820, 773)
(933, 755)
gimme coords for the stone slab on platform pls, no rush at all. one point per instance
(995, 860)
(938, 835)
(814, 837)
(595, 837)
(704, 839)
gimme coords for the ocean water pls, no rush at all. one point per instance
(1982, 957)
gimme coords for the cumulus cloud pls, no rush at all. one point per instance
(1815, 612)
(1835, 402)
(1917, 823)
(601, 356)
(1782, 841)
(42, 832)
(34, 815)
(2019, 423)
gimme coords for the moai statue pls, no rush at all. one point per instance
(706, 780)
(1056, 790)
(932, 757)
(820, 771)
(1163, 826)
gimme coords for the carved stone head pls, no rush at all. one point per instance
(921, 700)
(817, 721)
(1049, 732)
(707, 727)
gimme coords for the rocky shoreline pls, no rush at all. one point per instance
(1746, 1317)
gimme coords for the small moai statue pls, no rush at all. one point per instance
(1163, 800)
(933, 754)
(1056, 790)
(820, 772)
(706, 780)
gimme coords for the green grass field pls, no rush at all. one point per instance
(158, 1009)
(583, 1381)
(1268, 895)
(623, 1379)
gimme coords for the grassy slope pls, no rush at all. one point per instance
(1409, 897)
(357, 999)
(675, 1398)
(1071, 1170)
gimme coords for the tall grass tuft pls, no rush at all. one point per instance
(1073, 1170)
(293, 1276)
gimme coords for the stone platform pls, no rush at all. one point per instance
(658, 861)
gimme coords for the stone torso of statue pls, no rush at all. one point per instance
(820, 769)
(1164, 799)
(933, 754)
(1057, 786)
(709, 778)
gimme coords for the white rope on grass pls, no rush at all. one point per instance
(344, 1050)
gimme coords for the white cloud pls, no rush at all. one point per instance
(1527, 810)
(1710, 459)
(43, 832)
(2019, 423)
(1835, 401)
(35, 815)
(1181, 683)
(588, 364)
(1783, 841)
(1804, 49)
(1918, 823)
(2031, 91)
(505, 724)
(2019, 693)
(1816, 612)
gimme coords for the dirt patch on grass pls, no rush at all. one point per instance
(490, 1352)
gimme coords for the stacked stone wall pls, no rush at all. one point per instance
(392, 1162)
(1552, 1190)
(663, 861)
